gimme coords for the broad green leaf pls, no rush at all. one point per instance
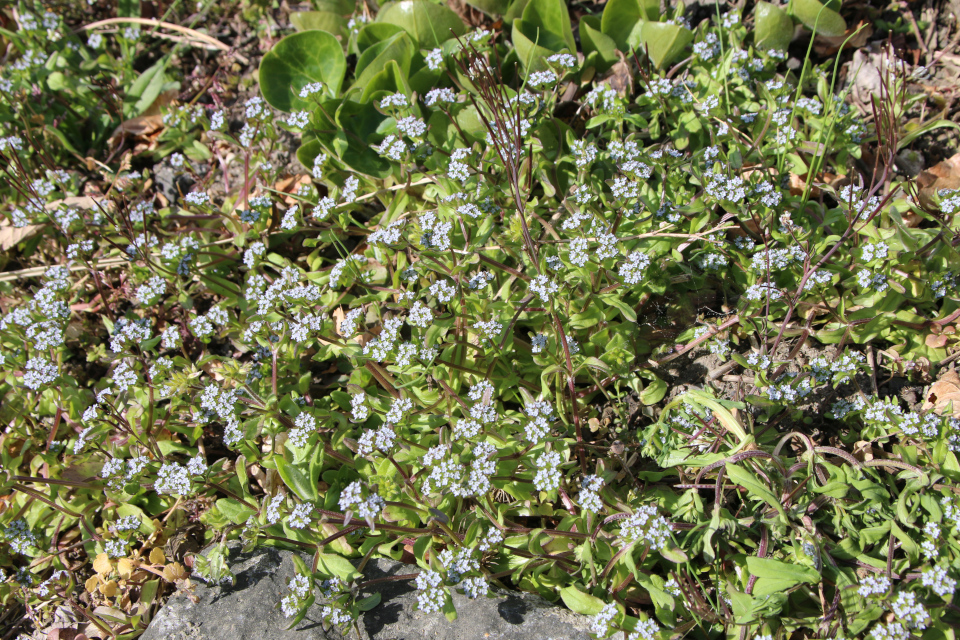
(145, 89)
(369, 602)
(341, 7)
(298, 60)
(654, 392)
(296, 480)
(779, 570)
(580, 602)
(594, 40)
(774, 28)
(236, 511)
(334, 565)
(534, 45)
(622, 20)
(376, 32)
(664, 42)
(398, 48)
(551, 16)
(389, 81)
(427, 23)
(818, 17)
(491, 7)
(319, 20)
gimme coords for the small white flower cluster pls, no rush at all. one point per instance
(458, 563)
(909, 611)
(540, 413)
(633, 268)
(762, 291)
(172, 479)
(937, 579)
(440, 96)
(488, 330)
(839, 370)
(547, 477)
(38, 372)
(788, 393)
(431, 596)
(646, 525)
(299, 587)
(392, 147)
(380, 440)
(947, 283)
(310, 89)
(300, 516)
(21, 539)
(359, 411)
(889, 631)
(874, 586)
(153, 288)
(368, 507)
(566, 60)
(584, 152)
(590, 486)
(869, 280)
(542, 78)
(601, 622)
(395, 100)
(543, 287)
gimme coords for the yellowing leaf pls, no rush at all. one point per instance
(91, 584)
(109, 589)
(102, 564)
(157, 557)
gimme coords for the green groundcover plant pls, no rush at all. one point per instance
(409, 354)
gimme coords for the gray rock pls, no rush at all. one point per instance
(248, 610)
(910, 162)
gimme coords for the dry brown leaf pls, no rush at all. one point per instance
(174, 571)
(944, 391)
(798, 183)
(827, 46)
(621, 78)
(63, 634)
(291, 185)
(139, 126)
(945, 175)
(11, 236)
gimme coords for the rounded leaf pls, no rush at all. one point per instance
(534, 45)
(296, 61)
(622, 19)
(664, 42)
(491, 7)
(774, 28)
(594, 40)
(820, 18)
(427, 23)
(376, 32)
(318, 20)
(551, 16)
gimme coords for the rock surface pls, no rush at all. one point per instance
(248, 610)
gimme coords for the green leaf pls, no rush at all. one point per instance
(594, 40)
(653, 392)
(580, 602)
(749, 482)
(534, 44)
(376, 32)
(369, 602)
(391, 80)
(819, 18)
(491, 7)
(236, 511)
(623, 19)
(296, 480)
(774, 28)
(145, 89)
(427, 23)
(334, 565)
(298, 60)
(775, 576)
(319, 20)
(550, 16)
(398, 48)
(664, 42)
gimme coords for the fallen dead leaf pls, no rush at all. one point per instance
(621, 78)
(827, 46)
(945, 175)
(943, 392)
(144, 131)
(291, 185)
(11, 236)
